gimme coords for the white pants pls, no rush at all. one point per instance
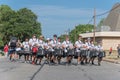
(6, 54)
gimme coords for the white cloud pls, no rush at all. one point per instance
(49, 10)
(61, 18)
(58, 12)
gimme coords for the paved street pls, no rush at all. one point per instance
(23, 71)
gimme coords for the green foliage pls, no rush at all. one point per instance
(22, 23)
(62, 37)
(101, 22)
(1, 42)
(1, 53)
(82, 28)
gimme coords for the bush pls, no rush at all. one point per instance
(1, 52)
(1, 43)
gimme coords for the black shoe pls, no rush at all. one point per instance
(98, 64)
(69, 62)
(51, 61)
(118, 56)
(10, 58)
(58, 62)
(86, 62)
(92, 63)
(82, 63)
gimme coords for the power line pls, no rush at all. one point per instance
(108, 11)
(90, 20)
(103, 13)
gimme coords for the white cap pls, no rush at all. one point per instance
(88, 38)
(48, 38)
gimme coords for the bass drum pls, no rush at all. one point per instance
(93, 53)
(83, 53)
(21, 52)
(71, 52)
(101, 54)
(58, 52)
(40, 53)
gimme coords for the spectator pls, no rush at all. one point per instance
(6, 48)
(118, 49)
(110, 51)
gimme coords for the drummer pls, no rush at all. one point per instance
(33, 41)
(78, 45)
(41, 43)
(49, 50)
(53, 46)
(58, 50)
(26, 45)
(92, 54)
(100, 51)
(26, 48)
(84, 49)
(88, 44)
(66, 46)
(59, 44)
(40, 53)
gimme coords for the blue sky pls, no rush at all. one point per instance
(57, 16)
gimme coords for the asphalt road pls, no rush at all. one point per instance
(24, 71)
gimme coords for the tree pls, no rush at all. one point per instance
(1, 42)
(82, 28)
(27, 23)
(21, 24)
(5, 15)
(100, 24)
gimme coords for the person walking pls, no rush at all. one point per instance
(6, 48)
(110, 51)
(118, 50)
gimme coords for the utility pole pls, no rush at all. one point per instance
(94, 25)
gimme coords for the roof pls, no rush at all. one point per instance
(113, 18)
(101, 34)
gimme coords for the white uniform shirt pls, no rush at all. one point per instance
(41, 43)
(88, 44)
(48, 45)
(59, 44)
(99, 48)
(33, 41)
(25, 44)
(78, 44)
(92, 47)
(53, 43)
(66, 43)
(84, 47)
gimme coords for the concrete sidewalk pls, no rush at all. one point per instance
(2, 56)
(113, 58)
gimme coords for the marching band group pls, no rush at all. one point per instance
(53, 50)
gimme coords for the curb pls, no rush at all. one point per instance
(2, 57)
(112, 61)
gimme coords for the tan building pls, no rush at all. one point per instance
(108, 39)
(109, 32)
